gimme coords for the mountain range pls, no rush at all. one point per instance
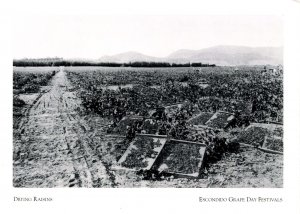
(219, 55)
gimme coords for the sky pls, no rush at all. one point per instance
(96, 36)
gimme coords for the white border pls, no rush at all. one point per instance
(156, 200)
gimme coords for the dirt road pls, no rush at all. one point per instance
(52, 146)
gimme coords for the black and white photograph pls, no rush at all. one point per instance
(148, 101)
(161, 106)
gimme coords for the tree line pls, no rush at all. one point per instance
(60, 62)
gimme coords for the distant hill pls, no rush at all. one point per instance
(219, 55)
(130, 56)
(231, 55)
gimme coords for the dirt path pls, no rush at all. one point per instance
(53, 148)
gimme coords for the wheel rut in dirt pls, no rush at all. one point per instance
(53, 148)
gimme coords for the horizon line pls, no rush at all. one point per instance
(138, 52)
